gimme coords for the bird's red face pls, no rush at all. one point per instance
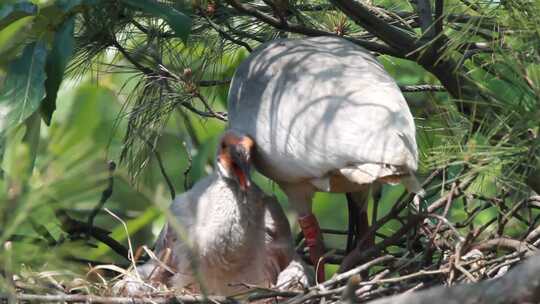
(234, 158)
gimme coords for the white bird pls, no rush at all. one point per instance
(325, 116)
(225, 233)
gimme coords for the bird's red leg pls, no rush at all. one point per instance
(312, 234)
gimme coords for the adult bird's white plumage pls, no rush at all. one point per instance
(325, 116)
(230, 229)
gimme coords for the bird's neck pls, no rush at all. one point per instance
(231, 226)
(244, 207)
(232, 216)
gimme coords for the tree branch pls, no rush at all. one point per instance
(299, 29)
(105, 195)
(226, 35)
(439, 5)
(425, 18)
(521, 285)
(365, 16)
(74, 227)
(160, 164)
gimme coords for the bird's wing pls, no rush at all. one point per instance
(318, 104)
(171, 250)
(283, 265)
(180, 217)
(171, 247)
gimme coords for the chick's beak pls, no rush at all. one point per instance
(242, 167)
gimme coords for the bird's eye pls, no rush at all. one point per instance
(223, 145)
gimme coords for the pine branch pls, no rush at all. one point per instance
(160, 164)
(300, 29)
(365, 16)
(226, 35)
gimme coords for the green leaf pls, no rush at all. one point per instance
(179, 22)
(74, 5)
(67, 5)
(16, 161)
(12, 39)
(92, 110)
(31, 138)
(23, 87)
(57, 61)
(13, 12)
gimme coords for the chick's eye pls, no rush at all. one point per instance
(223, 145)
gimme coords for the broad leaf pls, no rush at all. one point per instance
(57, 61)
(24, 85)
(12, 39)
(12, 12)
(67, 5)
(75, 5)
(179, 22)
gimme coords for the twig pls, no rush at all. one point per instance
(105, 195)
(194, 91)
(8, 268)
(122, 300)
(160, 164)
(346, 275)
(163, 74)
(520, 285)
(211, 83)
(74, 227)
(417, 274)
(187, 183)
(226, 35)
(271, 294)
(219, 115)
(505, 243)
(131, 256)
(422, 88)
(441, 202)
(445, 212)
(322, 290)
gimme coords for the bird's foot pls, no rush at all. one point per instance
(419, 204)
(312, 234)
(295, 277)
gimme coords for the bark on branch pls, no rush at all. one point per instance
(300, 29)
(520, 285)
(365, 16)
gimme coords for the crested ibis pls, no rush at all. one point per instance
(325, 116)
(224, 233)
